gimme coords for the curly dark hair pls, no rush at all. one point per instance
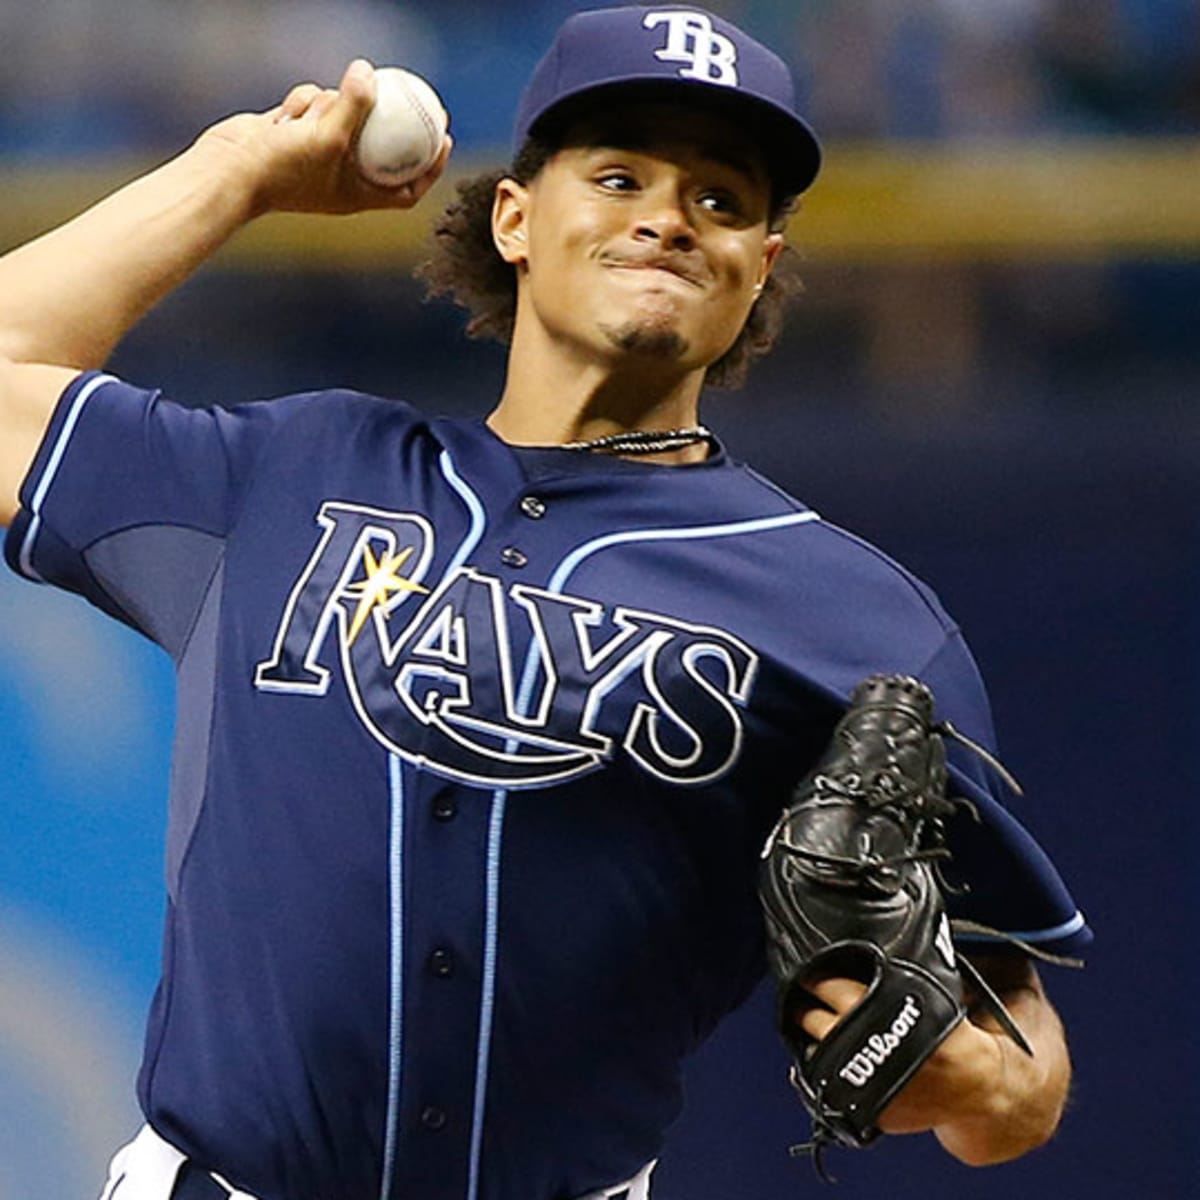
(465, 266)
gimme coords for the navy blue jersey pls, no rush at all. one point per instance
(477, 747)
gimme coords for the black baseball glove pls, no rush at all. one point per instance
(850, 888)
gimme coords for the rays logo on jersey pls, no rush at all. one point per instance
(512, 685)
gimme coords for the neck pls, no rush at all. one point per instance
(555, 399)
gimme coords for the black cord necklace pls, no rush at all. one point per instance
(643, 441)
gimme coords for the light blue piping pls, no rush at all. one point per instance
(499, 799)
(60, 448)
(487, 1008)
(1074, 925)
(567, 567)
(474, 507)
(756, 525)
(396, 999)
(396, 858)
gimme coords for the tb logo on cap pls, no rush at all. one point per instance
(691, 39)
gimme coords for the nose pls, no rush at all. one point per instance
(664, 219)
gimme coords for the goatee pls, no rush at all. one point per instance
(638, 338)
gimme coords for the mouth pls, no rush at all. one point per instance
(657, 269)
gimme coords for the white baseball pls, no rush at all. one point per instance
(403, 134)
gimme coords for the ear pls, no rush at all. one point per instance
(772, 249)
(509, 217)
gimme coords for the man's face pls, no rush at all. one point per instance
(645, 240)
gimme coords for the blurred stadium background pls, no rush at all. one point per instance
(993, 374)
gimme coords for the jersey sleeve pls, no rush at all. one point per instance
(131, 497)
(999, 876)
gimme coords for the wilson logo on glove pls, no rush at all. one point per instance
(880, 1047)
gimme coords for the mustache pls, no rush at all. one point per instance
(687, 264)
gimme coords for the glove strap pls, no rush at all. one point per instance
(876, 1048)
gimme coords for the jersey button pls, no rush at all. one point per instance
(433, 1117)
(444, 808)
(533, 507)
(510, 556)
(441, 963)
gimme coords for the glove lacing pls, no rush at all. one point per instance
(824, 1133)
(890, 789)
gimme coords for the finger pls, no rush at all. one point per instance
(817, 1022)
(296, 102)
(418, 187)
(353, 99)
(841, 995)
(405, 195)
(358, 80)
(325, 101)
(443, 156)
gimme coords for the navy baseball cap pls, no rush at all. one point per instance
(679, 47)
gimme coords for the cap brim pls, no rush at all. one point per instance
(791, 149)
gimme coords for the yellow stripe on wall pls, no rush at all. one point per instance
(1101, 199)
(1007, 200)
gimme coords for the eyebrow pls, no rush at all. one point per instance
(646, 142)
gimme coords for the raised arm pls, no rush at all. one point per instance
(67, 298)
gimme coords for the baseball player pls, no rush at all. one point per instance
(482, 724)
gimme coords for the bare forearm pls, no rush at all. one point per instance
(67, 298)
(70, 296)
(1021, 1098)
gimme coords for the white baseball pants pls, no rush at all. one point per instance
(148, 1168)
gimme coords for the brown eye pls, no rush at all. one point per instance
(617, 181)
(721, 202)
